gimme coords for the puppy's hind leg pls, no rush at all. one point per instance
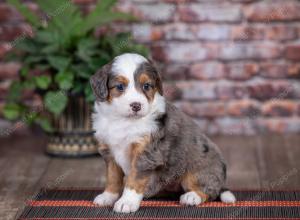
(193, 194)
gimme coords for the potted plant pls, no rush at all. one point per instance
(57, 62)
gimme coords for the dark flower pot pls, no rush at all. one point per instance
(73, 136)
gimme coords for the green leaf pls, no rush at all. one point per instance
(30, 59)
(29, 117)
(28, 45)
(29, 84)
(44, 123)
(89, 95)
(15, 91)
(58, 9)
(104, 5)
(45, 36)
(87, 48)
(50, 49)
(78, 88)
(82, 71)
(42, 82)
(55, 102)
(24, 71)
(64, 80)
(62, 17)
(94, 20)
(12, 111)
(27, 14)
(59, 62)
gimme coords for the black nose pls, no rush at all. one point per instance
(135, 106)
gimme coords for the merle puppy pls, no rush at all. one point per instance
(147, 143)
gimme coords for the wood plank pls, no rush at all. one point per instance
(240, 154)
(292, 146)
(83, 172)
(22, 164)
(274, 162)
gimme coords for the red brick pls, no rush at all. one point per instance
(12, 32)
(226, 90)
(279, 108)
(4, 86)
(179, 31)
(232, 126)
(240, 51)
(171, 91)
(273, 70)
(8, 14)
(158, 52)
(194, 90)
(245, 33)
(241, 71)
(9, 70)
(278, 11)
(278, 125)
(292, 52)
(262, 90)
(245, 107)
(146, 33)
(175, 72)
(189, 52)
(203, 109)
(294, 70)
(295, 87)
(1, 108)
(4, 49)
(213, 32)
(280, 32)
(160, 12)
(207, 70)
(213, 13)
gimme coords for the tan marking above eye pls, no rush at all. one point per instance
(116, 80)
(113, 82)
(144, 78)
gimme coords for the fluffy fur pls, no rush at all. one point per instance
(153, 147)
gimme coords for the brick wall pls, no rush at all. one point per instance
(233, 65)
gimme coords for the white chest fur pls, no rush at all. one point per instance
(119, 134)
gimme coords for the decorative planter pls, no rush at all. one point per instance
(73, 136)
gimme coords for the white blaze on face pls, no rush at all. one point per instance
(126, 65)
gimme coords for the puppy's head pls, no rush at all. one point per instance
(129, 86)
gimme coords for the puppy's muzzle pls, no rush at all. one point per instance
(136, 106)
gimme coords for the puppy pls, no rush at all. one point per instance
(147, 143)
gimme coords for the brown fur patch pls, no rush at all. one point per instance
(134, 180)
(113, 92)
(145, 78)
(190, 183)
(114, 173)
(114, 177)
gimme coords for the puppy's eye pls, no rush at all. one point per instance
(147, 86)
(120, 87)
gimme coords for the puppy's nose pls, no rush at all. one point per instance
(135, 106)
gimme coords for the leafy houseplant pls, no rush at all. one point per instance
(58, 61)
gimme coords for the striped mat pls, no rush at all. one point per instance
(77, 204)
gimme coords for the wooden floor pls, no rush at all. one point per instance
(270, 162)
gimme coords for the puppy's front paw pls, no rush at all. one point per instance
(129, 202)
(190, 198)
(106, 198)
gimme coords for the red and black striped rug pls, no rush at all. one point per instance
(77, 204)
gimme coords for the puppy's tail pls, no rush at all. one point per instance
(227, 196)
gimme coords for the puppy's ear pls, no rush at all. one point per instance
(159, 84)
(158, 79)
(99, 83)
